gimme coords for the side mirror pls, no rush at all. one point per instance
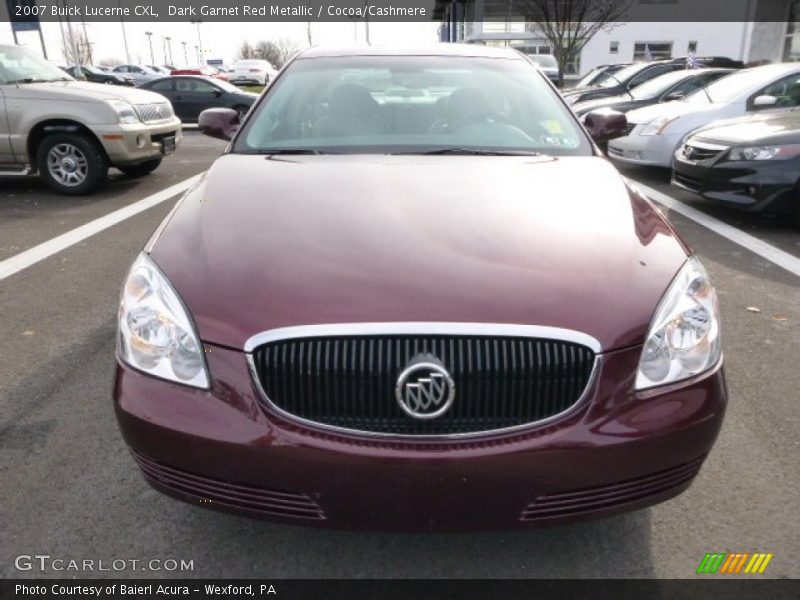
(764, 101)
(220, 123)
(605, 124)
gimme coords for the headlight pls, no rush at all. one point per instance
(684, 337)
(125, 111)
(657, 126)
(156, 334)
(764, 152)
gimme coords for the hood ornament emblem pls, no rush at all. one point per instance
(425, 390)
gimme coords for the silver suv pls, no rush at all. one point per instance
(71, 131)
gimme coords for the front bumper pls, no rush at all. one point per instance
(644, 150)
(746, 185)
(223, 449)
(136, 143)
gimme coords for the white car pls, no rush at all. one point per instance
(257, 72)
(655, 132)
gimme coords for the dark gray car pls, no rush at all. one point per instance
(190, 95)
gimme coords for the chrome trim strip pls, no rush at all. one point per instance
(423, 328)
(429, 329)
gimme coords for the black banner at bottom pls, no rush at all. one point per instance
(384, 589)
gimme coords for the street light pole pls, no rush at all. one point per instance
(199, 42)
(164, 48)
(169, 45)
(124, 35)
(185, 58)
(149, 35)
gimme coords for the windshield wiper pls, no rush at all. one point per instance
(476, 152)
(274, 151)
(29, 80)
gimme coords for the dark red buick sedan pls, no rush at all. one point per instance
(412, 295)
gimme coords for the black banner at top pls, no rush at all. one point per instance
(394, 10)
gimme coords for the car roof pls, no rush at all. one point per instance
(443, 49)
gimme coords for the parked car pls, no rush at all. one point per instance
(192, 95)
(307, 321)
(665, 88)
(204, 71)
(655, 132)
(599, 74)
(95, 75)
(548, 64)
(159, 69)
(751, 163)
(256, 72)
(140, 73)
(721, 62)
(622, 81)
(71, 132)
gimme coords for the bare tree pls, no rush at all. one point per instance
(277, 52)
(78, 54)
(109, 62)
(569, 24)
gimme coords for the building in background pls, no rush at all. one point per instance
(765, 31)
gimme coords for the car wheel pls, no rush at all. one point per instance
(141, 169)
(72, 164)
(241, 111)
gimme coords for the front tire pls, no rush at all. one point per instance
(72, 164)
(141, 169)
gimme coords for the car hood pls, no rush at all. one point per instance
(268, 242)
(82, 91)
(580, 90)
(621, 103)
(675, 110)
(763, 129)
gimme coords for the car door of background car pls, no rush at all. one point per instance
(194, 96)
(786, 91)
(6, 154)
(165, 87)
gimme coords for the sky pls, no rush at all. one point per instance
(219, 40)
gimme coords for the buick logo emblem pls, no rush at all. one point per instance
(424, 389)
(159, 114)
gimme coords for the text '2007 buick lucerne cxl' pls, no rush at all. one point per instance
(411, 295)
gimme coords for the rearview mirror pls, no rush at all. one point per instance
(220, 123)
(605, 124)
(764, 101)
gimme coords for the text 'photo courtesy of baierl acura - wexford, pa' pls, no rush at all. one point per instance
(419, 299)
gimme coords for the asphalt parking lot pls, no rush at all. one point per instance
(71, 490)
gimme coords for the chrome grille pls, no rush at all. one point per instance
(698, 151)
(156, 111)
(348, 381)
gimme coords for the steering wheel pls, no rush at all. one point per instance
(484, 115)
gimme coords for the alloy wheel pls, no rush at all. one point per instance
(67, 164)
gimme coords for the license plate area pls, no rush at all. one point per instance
(168, 145)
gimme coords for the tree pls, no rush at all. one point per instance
(79, 53)
(277, 52)
(109, 62)
(569, 24)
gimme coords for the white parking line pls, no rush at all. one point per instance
(29, 257)
(766, 251)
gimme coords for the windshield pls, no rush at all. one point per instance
(622, 75)
(412, 104)
(544, 60)
(18, 65)
(729, 89)
(659, 85)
